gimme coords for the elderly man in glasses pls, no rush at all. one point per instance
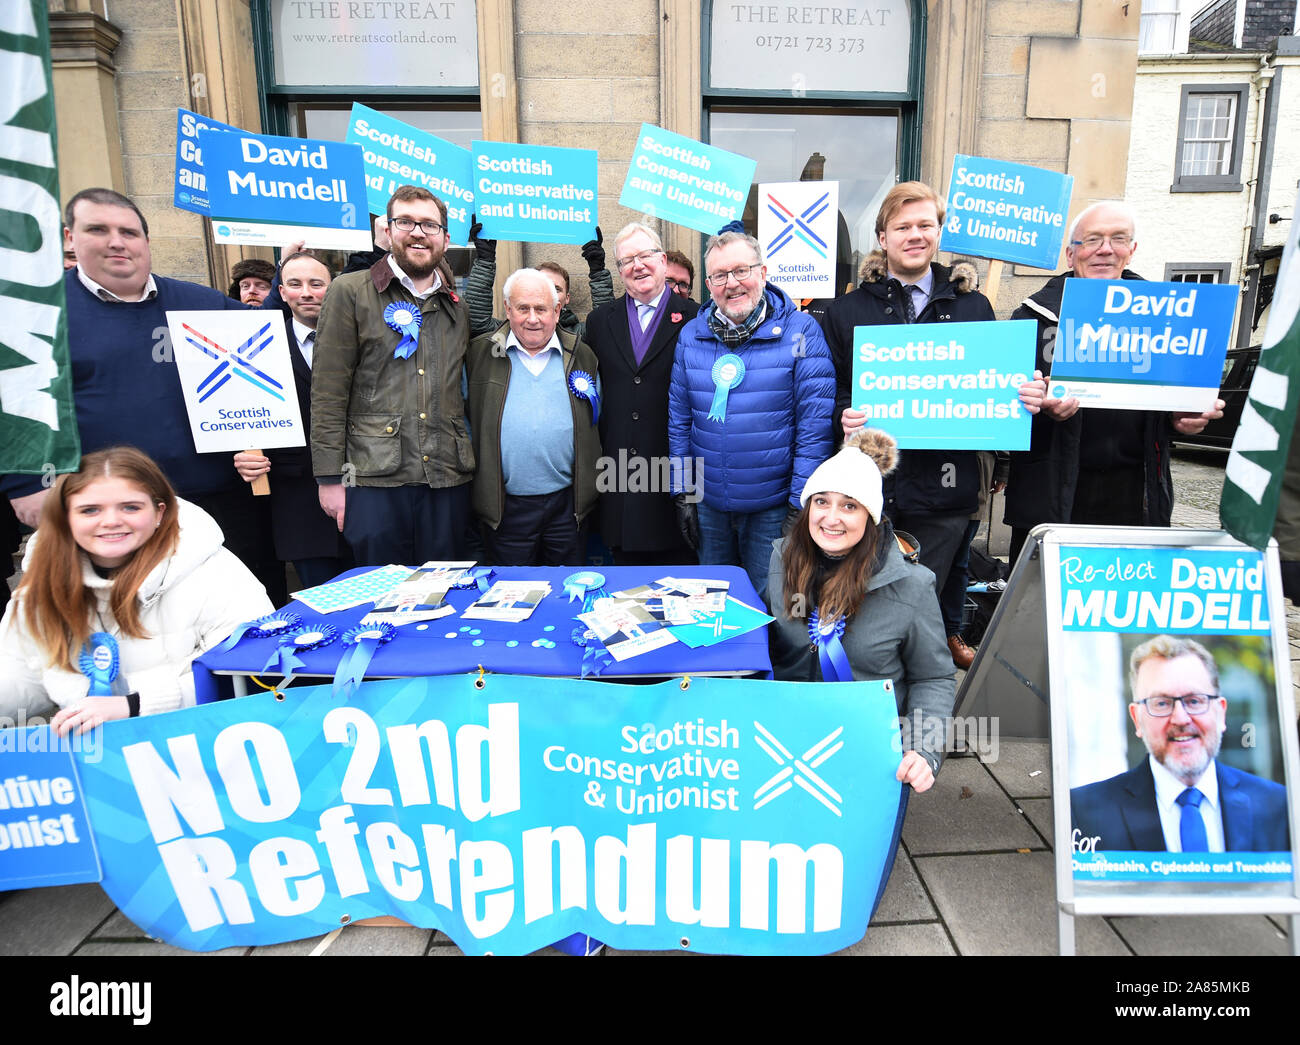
(1180, 799)
(1095, 466)
(390, 450)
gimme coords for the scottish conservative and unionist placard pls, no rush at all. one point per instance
(1176, 748)
(1127, 344)
(945, 386)
(726, 816)
(798, 222)
(191, 192)
(534, 193)
(276, 191)
(237, 378)
(398, 154)
(685, 181)
(1007, 211)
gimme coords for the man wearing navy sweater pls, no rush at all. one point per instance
(124, 380)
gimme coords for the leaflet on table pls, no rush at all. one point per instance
(511, 601)
(626, 628)
(420, 597)
(352, 591)
(736, 619)
(687, 586)
(679, 602)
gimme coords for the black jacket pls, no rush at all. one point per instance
(1043, 479)
(924, 480)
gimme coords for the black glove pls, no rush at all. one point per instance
(688, 520)
(594, 252)
(791, 515)
(485, 248)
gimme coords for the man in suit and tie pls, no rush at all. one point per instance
(634, 339)
(303, 533)
(1181, 799)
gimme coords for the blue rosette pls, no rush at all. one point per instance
(360, 645)
(728, 372)
(405, 318)
(100, 661)
(595, 657)
(583, 385)
(285, 660)
(830, 648)
(277, 623)
(479, 577)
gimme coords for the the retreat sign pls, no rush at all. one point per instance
(191, 190)
(1133, 345)
(1008, 211)
(276, 191)
(685, 181)
(945, 386)
(509, 816)
(398, 154)
(798, 223)
(534, 193)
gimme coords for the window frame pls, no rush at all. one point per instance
(1230, 182)
(1222, 269)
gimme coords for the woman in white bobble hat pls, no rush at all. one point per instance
(850, 606)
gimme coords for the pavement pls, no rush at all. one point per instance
(974, 874)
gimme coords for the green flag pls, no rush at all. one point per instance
(38, 425)
(1253, 478)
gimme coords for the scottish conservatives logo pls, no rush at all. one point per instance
(798, 770)
(799, 226)
(237, 362)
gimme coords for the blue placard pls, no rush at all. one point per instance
(535, 193)
(739, 815)
(945, 386)
(191, 191)
(398, 154)
(685, 181)
(45, 836)
(1134, 345)
(1008, 211)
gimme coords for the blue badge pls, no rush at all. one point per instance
(582, 385)
(361, 643)
(285, 660)
(276, 623)
(405, 318)
(830, 650)
(99, 662)
(728, 372)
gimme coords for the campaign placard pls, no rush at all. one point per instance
(398, 154)
(275, 191)
(1009, 211)
(510, 816)
(798, 222)
(1127, 344)
(534, 193)
(685, 181)
(237, 377)
(191, 192)
(945, 386)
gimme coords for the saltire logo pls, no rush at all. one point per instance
(236, 362)
(798, 770)
(797, 225)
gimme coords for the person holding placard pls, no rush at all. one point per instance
(124, 584)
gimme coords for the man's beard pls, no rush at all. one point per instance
(418, 267)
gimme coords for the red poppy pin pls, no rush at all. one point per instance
(676, 317)
(454, 298)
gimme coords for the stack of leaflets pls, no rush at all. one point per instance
(511, 601)
(626, 627)
(675, 600)
(421, 596)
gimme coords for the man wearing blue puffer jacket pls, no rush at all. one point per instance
(750, 400)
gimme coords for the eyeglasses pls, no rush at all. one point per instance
(429, 228)
(644, 257)
(1162, 707)
(741, 272)
(1119, 241)
(679, 284)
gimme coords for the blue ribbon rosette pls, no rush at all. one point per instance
(583, 385)
(479, 577)
(595, 657)
(99, 661)
(405, 318)
(587, 585)
(830, 649)
(728, 372)
(361, 642)
(276, 623)
(285, 661)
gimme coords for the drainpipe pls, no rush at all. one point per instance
(1257, 203)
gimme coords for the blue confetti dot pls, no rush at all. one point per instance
(538, 642)
(512, 643)
(475, 631)
(548, 643)
(478, 642)
(450, 635)
(465, 628)
(549, 627)
(422, 627)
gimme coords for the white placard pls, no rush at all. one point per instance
(237, 378)
(797, 225)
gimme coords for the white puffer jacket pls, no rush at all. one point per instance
(188, 604)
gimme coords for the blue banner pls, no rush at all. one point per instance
(191, 191)
(535, 193)
(1133, 345)
(45, 836)
(686, 182)
(945, 386)
(722, 816)
(1008, 211)
(398, 154)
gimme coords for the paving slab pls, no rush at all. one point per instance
(51, 921)
(1041, 815)
(366, 940)
(966, 811)
(1005, 903)
(891, 940)
(119, 927)
(148, 949)
(291, 949)
(1202, 934)
(904, 899)
(1023, 767)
